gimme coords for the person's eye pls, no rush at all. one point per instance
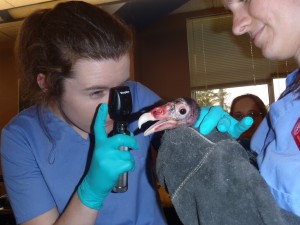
(254, 114)
(97, 93)
(238, 116)
(251, 114)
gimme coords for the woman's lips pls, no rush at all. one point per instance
(255, 36)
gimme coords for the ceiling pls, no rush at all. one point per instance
(139, 13)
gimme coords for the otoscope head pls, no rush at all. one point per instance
(120, 103)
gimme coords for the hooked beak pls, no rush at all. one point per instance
(158, 126)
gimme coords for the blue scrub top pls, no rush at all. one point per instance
(278, 154)
(43, 160)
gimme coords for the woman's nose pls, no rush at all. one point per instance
(241, 23)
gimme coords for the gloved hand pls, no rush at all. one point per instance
(215, 117)
(108, 162)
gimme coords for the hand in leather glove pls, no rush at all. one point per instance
(108, 162)
(215, 117)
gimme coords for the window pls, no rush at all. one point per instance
(224, 97)
(279, 87)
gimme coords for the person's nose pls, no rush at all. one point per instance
(241, 23)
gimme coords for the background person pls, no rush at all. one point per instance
(252, 106)
(248, 105)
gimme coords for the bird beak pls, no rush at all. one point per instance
(161, 115)
(145, 118)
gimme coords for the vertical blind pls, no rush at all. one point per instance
(219, 59)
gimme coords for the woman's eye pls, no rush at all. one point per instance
(96, 93)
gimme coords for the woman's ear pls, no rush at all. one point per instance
(41, 80)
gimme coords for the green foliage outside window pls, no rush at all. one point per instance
(212, 97)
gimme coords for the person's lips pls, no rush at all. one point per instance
(256, 36)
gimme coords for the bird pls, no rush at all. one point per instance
(180, 112)
(208, 177)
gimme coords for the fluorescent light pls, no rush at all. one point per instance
(8, 4)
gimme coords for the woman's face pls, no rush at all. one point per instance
(272, 24)
(246, 107)
(89, 87)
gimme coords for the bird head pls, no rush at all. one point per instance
(179, 112)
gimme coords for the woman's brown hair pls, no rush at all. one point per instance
(50, 41)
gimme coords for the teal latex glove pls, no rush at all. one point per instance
(215, 117)
(108, 162)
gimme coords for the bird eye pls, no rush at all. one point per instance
(182, 111)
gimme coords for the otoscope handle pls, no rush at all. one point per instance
(122, 183)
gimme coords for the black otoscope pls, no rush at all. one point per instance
(119, 108)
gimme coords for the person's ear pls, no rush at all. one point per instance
(41, 81)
